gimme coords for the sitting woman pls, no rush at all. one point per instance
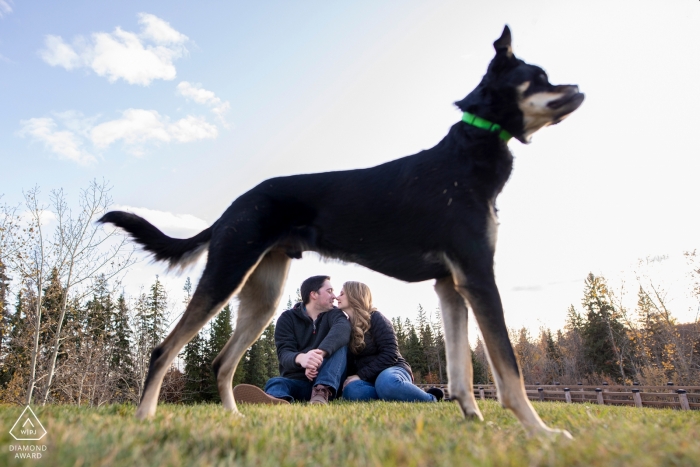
(378, 370)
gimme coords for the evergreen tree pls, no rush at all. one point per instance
(553, 353)
(480, 373)
(15, 364)
(197, 372)
(220, 333)
(480, 363)
(51, 304)
(197, 382)
(602, 331)
(440, 346)
(400, 332)
(122, 362)
(100, 315)
(255, 366)
(261, 363)
(571, 344)
(415, 355)
(428, 345)
(272, 363)
(527, 355)
(156, 313)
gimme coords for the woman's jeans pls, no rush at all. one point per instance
(392, 384)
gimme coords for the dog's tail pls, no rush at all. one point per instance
(177, 252)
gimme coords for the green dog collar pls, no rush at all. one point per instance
(484, 124)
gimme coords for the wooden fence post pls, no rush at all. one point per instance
(637, 398)
(683, 398)
(482, 396)
(599, 394)
(567, 395)
(540, 391)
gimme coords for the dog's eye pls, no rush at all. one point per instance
(541, 79)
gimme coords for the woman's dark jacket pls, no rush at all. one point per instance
(381, 351)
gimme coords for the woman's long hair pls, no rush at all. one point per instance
(360, 300)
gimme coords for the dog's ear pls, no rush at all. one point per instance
(503, 44)
(504, 59)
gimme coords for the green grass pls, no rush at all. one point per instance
(369, 434)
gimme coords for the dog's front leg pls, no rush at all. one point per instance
(459, 362)
(479, 288)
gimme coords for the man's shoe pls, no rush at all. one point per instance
(249, 394)
(320, 394)
(437, 392)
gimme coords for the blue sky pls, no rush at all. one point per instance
(183, 106)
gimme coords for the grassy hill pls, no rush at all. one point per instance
(370, 434)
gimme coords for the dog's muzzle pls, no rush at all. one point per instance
(570, 101)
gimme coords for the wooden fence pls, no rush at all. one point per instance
(677, 397)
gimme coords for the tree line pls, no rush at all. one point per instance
(107, 339)
(106, 342)
(604, 341)
(67, 335)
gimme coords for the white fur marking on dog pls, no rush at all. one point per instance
(536, 113)
(188, 259)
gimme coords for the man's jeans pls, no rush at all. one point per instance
(392, 384)
(331, 373)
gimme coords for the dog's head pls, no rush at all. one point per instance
(518, 96)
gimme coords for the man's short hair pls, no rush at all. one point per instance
(312, 284)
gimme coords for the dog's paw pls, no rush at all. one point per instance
(471, 414)
(554, 433)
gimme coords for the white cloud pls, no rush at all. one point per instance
(191, 129)
(46, 217)
(5, 8)
(65, 144)
(58, 53)
(159, 31)
(135, 126)
(135, 129)
(138, 126)
(135, 58)
(205, 97)
(182, 225)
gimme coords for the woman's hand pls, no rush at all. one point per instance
(350, 379)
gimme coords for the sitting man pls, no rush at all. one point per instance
(311, 340)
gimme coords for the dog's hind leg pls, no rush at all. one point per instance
(257, 303)
(459, 362)
(478, 286)
(223, 276)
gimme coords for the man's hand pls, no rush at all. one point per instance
(311, 359)
(311, 374)
(350, 379)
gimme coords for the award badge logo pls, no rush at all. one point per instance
(28, 427)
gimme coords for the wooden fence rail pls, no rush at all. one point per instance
(677, 397)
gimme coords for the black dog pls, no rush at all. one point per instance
(426, 216)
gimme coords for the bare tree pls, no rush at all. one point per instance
(29, 254)
(76, 250)
(84, 251)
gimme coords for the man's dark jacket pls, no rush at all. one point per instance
(381, 351)
(297, 333)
